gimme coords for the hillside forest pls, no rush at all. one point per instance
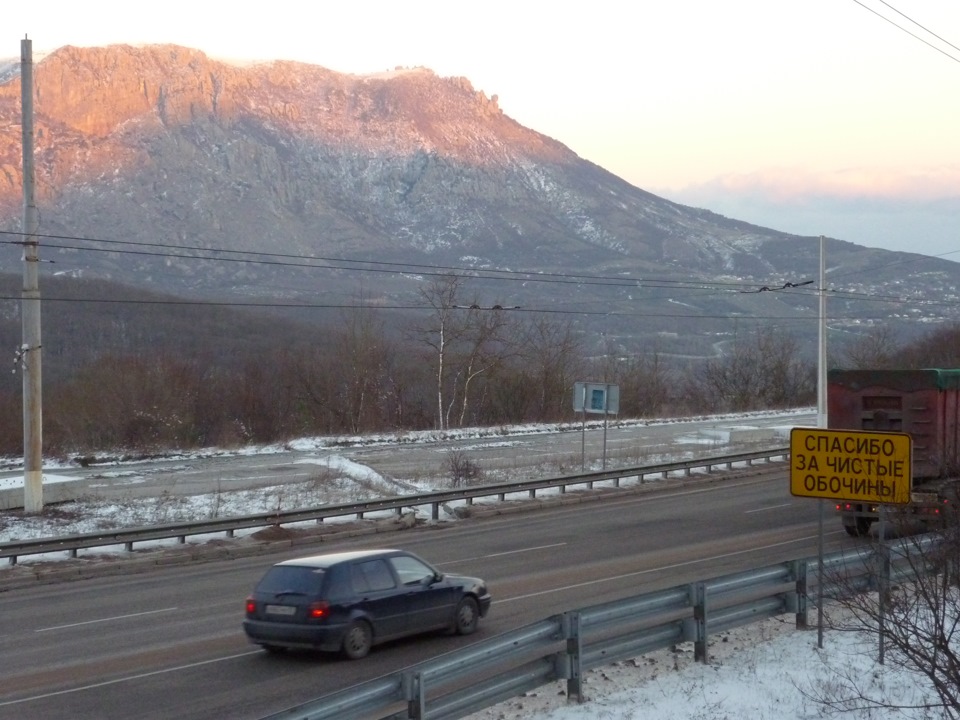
(139, 373)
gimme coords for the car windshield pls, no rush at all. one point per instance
(291, 580)
(411, 570)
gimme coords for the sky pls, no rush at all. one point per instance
(815, 117)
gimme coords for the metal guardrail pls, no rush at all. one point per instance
(564, 647)
(127, 537)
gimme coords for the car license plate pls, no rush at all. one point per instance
(281, 610)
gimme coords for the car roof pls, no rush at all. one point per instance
(329, 559)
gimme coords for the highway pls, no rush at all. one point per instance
(522, 456)
(168, 643)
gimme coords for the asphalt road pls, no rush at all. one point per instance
(168, 643)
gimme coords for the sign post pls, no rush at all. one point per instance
(867, 467)
(595, 398)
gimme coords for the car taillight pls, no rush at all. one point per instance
(251, 606)
(318, 610)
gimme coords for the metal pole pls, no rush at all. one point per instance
(822, 344)
(30, 302)
(821, 423)
(884, 584)
(606, 408)
(583, 428)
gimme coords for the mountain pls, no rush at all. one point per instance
(161, 168)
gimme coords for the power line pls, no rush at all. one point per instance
(306, 262)
(396, 268)
(840, 294)
(925, 29)
(913, 35)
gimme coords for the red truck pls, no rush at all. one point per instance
(923, 403)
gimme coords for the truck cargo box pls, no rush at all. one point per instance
(923, 403)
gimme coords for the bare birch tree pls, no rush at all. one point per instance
(440, 333)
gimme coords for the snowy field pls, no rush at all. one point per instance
(763, 671)
(336, 477)
(767, 670)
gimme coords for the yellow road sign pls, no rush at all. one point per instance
(864, 466)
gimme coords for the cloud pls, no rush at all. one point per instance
(796, 186)
(911, 212)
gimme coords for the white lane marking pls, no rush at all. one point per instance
(770, 507)
(501, 554)
(651, 570)
(126, 679)
(107, 619)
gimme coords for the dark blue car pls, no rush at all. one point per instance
(351, 601)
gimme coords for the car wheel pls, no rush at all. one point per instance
(357, 640)
(466, 618)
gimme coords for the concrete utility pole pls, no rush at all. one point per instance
(30, 303)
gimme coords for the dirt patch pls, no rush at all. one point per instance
(274, 533)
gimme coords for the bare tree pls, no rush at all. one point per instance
(916, 620)
(362, 354)
(763, 370)
(645, 384)
(465, 342)
(940, 348)
(552, 355)
(440, 332)
(875, 349)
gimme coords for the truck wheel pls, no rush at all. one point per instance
(861, 527)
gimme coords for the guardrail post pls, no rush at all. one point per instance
(574, 655)
(798, 600)
(413, 691)
(698, 596)
(883, 592)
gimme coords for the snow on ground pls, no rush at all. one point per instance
(339, 479)
(763, 671)
(766, 670)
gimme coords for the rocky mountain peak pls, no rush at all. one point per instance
(99, 93)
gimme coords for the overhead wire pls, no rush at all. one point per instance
(360, 306)
(307, 262)
(911, 34)
(402, 268)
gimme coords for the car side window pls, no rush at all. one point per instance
(410, 570)
(358, 579)
(375, 574)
